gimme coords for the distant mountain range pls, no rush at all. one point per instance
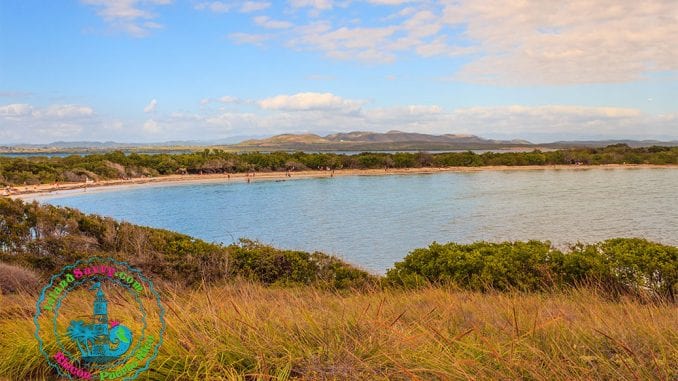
(392, 140)
(344, 141)
(397, 140)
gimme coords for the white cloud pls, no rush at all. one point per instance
(214, 6)
(15, 110)
(515, 42)
(317, 4)
(228, 6)
(133, 17)
(327, 112)
(65, 111)
(556, 42)
(422, 24)
(253, 6)
(269, 23)
(322, 112)
(22, 122)
(151, 126)
(228, 99)
(249, 38)
(152, 105)
(419, 31)
(309, 101)
(56, 112)
(389, 2)
(361, 43)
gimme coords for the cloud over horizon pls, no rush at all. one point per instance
(327, 112)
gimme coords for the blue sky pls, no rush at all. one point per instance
(158, 70)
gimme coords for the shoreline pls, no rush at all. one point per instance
(31, 191)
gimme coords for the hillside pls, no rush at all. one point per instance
(392, 140)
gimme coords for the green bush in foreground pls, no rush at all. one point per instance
(620, 264)
(478, 266)
(267, 265)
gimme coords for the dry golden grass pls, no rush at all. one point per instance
(16, 278)
(246, 331)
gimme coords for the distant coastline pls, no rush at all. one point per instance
(31, 191)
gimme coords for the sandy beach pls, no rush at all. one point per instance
(31, 191)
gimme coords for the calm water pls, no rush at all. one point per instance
(374, 221)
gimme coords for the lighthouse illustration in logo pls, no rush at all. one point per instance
(101, 341)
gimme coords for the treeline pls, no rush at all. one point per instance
(118, 165)
(617, 266)
(45, 238)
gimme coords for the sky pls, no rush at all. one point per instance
(164, 70)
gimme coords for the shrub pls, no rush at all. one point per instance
(641, 264)
(268, 265)
(478, 266)
(616, 265)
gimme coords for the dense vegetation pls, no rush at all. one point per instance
(46, 238)
(118, 165)
(621, 265)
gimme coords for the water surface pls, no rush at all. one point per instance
(374, 221)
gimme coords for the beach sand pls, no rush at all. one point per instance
(32, 191)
